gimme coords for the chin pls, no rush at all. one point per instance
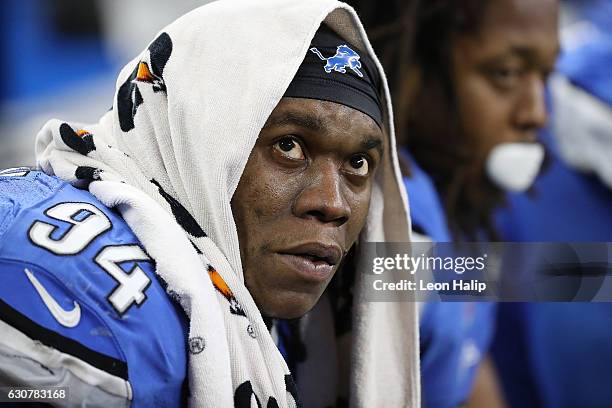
(289, 305)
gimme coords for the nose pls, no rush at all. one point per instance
(531, 113)
(321, 197)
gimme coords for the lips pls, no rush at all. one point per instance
(313, 261)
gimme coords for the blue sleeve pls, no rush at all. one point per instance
(455, 337)
(76, 279)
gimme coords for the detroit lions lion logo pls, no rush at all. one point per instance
(344, 57)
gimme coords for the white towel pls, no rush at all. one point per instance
(169, 155)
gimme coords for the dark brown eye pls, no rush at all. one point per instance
(505, 77)
(289, 147)
(358, 165)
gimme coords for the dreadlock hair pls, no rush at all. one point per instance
(421, 34)
(390, 28)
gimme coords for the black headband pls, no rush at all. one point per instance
(333, 71)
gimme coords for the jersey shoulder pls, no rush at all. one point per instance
(77, 280)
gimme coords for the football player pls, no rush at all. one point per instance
(245, 153)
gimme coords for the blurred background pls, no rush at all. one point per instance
(60, 59)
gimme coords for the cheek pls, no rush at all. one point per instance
(269, 197)
(485, 114)
(260, 199)
(360, 206)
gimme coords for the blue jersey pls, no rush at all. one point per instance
(556, 354)
(454, 336)
(80, 304)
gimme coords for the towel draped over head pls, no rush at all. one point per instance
(169, 156)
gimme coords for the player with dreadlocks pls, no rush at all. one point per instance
(467, 78)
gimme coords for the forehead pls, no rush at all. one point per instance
(530, 26)
(344, 123)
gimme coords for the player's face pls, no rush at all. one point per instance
(303, 199)
(500, 73)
